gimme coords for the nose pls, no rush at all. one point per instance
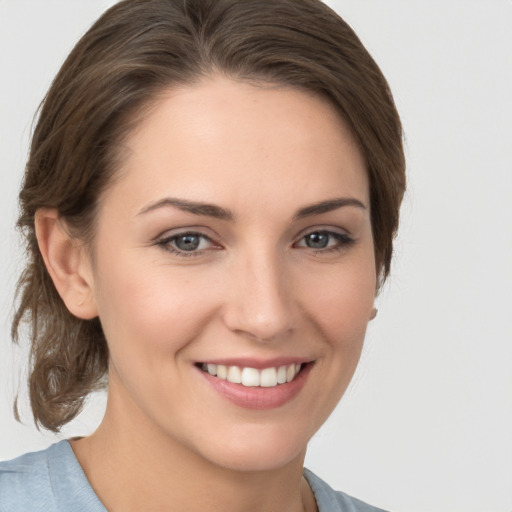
(260, 304)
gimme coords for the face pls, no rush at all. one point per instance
(235, 245)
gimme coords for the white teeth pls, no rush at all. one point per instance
(222, 371)
(290, 373)
(281, 375)
(251, 377)
(234, 375)
(268, 378)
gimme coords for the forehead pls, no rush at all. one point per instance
(225, 140)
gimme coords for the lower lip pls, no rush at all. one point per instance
(258, 397)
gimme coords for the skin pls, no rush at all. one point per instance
(253, 289)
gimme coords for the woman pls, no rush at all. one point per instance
(210, 202)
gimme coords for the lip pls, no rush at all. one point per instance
(258, 398)
(258, 364)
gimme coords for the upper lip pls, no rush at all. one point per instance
(259, 364)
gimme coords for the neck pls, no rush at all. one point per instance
(131, 465)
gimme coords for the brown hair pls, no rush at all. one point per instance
(137, 49)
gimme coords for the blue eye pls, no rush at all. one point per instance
(317, 240)
(186, 244)
(325, 240)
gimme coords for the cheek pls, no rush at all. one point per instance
(340, 300)
(149, 310)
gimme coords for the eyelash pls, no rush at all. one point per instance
(343, 241)
(167, 244)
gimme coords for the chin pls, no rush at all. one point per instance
(256, 459)
(256, 449)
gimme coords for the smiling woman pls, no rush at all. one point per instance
(209, 205)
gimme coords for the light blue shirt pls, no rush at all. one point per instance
(52, 480)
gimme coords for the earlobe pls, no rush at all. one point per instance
(64, 258)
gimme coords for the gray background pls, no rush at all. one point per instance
(427, 423)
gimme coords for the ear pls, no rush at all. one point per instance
(66, 262)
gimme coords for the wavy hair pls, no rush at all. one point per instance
(136, 50)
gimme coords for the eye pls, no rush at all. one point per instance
(325, 240)
(187, 244)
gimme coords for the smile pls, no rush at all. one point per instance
(255, 384)
(252, 377)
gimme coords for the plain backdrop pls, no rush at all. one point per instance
(426, 425)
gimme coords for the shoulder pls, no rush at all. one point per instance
(25, 481)
(51, 480)
(329, 500)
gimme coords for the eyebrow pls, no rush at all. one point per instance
(197, 208)
(212, 210)
(328, 206)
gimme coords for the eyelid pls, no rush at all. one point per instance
(342, 236)
(165, 241)
(323, 229)
(183, 230)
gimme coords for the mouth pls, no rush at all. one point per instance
(264, 387)
(253, 377)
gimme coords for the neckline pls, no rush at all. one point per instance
(68, 475)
